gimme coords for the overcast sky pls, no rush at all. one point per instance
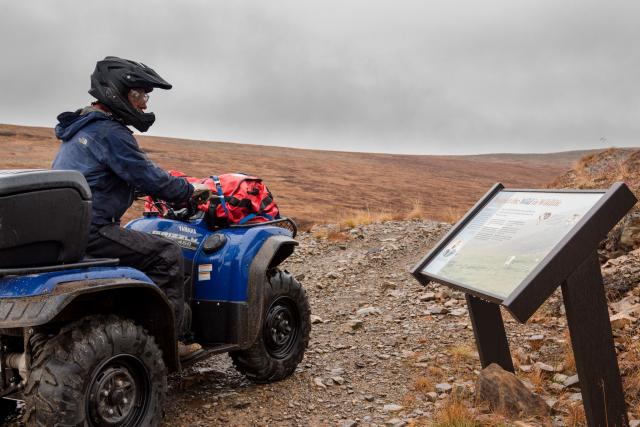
(419, 77)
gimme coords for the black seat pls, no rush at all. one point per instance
(44, 217)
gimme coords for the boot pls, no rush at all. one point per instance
(187, 350)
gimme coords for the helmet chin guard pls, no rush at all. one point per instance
(111, 81)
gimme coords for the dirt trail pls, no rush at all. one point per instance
(384, 350)
(355, 364)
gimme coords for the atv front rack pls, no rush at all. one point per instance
(286, 223)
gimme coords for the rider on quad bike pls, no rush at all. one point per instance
(97, 142)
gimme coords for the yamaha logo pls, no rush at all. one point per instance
(187, 230)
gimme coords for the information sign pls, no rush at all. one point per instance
(515, 248)
(504, 242)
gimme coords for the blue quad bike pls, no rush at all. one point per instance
(87, 342)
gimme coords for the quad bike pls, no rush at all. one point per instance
(89, 342)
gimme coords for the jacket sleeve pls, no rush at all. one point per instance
(133, 166)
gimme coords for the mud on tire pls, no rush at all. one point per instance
(284, 334)
(98, 371)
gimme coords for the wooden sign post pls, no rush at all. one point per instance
(514, 248)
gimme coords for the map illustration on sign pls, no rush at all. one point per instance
(508, 238)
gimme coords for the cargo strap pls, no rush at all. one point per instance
(216, 181)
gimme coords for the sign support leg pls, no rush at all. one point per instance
(593, 346)
(488, 328)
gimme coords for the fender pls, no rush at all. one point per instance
(274, 250)
(140, 301)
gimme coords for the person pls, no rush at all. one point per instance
(97, 142)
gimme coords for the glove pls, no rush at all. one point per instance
(201, 192)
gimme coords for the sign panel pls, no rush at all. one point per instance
(507, 239)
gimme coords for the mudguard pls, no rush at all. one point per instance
(138, 300)
(274, 250)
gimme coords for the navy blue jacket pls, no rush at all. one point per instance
(107, 154)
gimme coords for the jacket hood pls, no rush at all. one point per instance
(69, 123)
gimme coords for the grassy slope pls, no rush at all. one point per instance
(326, 185)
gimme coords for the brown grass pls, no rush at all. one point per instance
(455, 413)
(313, 185)
(409, 400)
(568, 359)
(423, 384)
(437, 373)
(632, 379)
(417, 211)
(330, 235)
(450, 214)
(575, 416)
(462, 353)
(537, 379)
(365, 217)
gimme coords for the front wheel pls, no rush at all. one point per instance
(284, 334)
(99, 371)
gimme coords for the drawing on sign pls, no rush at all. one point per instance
(508, 238)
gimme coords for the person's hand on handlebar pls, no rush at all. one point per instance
(201, 192)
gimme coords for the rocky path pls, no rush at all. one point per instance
(383, 350)
(371, 339)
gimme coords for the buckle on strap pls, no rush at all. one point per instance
(216, 181)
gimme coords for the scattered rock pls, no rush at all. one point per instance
(332, 275)
(355, 324)
(559, 378)
(316, 319)
(572, 381)
(621, 274)
(241, 404)
(536, 341)
(349, 423)
(392, 407)
(459, 312)
(338, 380)
(505, 393)
(444, 388)
(427, 296)
(544, 367)
(366, 311)
(319, 383)
(630, 231)
(575, 397)
(438, 309)
(621, 320)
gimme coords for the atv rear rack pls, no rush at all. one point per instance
(87, 262)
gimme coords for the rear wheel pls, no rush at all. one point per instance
(284, 334)
(99, 371)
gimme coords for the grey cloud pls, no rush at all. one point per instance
(408, 76)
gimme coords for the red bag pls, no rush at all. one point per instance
(237, 198)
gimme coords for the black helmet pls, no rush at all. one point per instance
(110, 84)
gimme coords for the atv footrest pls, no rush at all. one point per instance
(206, 352)
(85, 263)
